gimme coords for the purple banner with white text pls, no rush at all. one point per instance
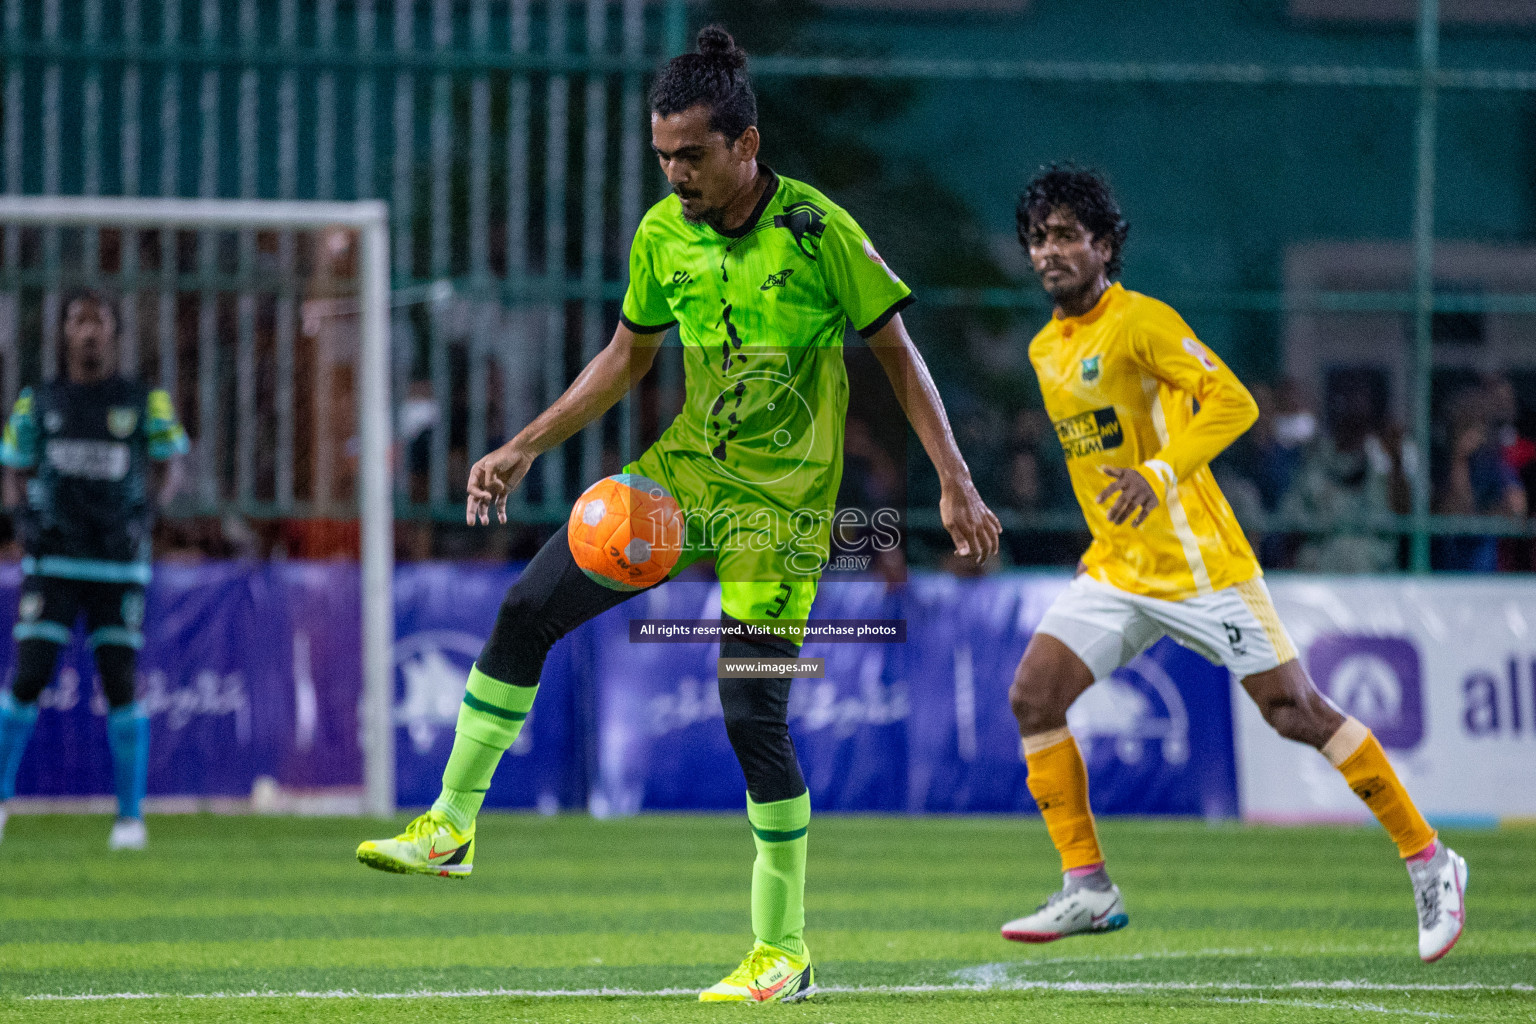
(252, 671)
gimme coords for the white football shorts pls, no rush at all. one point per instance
(1107, 627)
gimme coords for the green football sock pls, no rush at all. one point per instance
(490, 718)
(778, 874)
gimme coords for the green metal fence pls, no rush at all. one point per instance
(509, 139)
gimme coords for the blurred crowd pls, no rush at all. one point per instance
(1316, 490)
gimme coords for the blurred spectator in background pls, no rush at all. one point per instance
(1472, 476)
(418, 418)
(1257, 471)
(1349, 482)
(1025, 493)
(194, 539)
(982, 434)
(1289, 428)
(873, 479)
(1032, 432)
(1035, 486)
(1269, 455)
(1516, 554)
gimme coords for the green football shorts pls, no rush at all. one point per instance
(768, 556)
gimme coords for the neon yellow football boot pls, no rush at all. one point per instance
(767, 975)
(428, 846)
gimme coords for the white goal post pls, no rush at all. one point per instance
(370, 219)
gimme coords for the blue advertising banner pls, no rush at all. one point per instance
(215, 679)
(443, 613)
(922, 726)
(661, 735)
(661, 741)
(253, 670)
(1156, 736)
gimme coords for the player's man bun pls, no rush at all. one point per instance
(716, 77)
(716, 43)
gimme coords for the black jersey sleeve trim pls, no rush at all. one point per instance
(646, 328)
(885, 318)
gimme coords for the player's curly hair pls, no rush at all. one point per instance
(1087, 194)
(717, 76)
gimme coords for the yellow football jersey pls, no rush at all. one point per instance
(1122, 385)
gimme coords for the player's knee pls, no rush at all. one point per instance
(1296, 719)
(117, 665)
(746, 725)
(34, 669)
(518, 610)
(758, 729)
(756, 711)
(521, 638)
(1035, 702)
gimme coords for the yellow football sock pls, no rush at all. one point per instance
(1058, 779)
(1358, 756)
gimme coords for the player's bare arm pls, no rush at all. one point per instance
(598, 388)
(970, 523)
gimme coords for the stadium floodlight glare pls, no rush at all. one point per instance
(371, 221)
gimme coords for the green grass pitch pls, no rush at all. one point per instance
(254, 919)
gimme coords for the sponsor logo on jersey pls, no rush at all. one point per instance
(89, 460)
(1091, 369)
(1375, 678)
(121, 421)
(778, 280)
(806, 222)
(1200, 352)
(53, 421)
(1090, 432)
(681, 277)
(31, 607)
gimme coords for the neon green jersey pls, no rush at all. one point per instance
(762, 312)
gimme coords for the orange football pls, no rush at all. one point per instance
(626, 532)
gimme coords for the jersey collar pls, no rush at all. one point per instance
(1110, 296)
(757, 211)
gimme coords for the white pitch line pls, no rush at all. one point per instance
(1074, 987)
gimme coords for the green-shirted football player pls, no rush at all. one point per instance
(761, 275)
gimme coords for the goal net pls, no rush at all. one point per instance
(268, 325)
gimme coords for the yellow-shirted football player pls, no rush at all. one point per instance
(1141, 407)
